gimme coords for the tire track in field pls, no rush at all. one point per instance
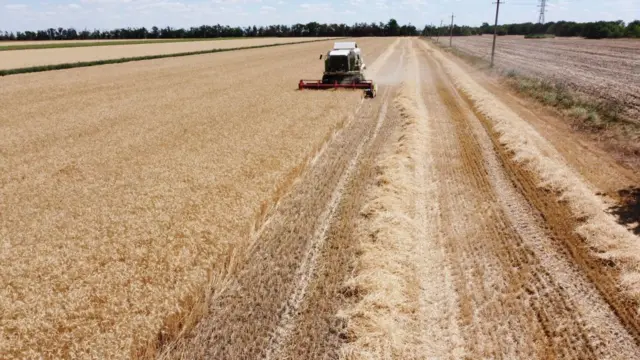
(476, 237)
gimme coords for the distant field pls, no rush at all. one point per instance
(41, 42)
(607, 69)
(41, 57)
(52, 44)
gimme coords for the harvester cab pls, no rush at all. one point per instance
(343, 68)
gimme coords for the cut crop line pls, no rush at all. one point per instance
(312, 160)
(507, 132)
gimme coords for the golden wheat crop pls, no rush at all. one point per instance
(38, 57)
(124, 189)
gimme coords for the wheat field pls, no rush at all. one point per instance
(123, 198)
(203, 207)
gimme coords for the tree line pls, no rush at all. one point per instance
(312, 29)
(589, 30)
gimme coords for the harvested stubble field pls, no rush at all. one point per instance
(39, 57)
(204, 208)
(606, 69)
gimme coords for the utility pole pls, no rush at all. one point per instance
(543, 4)
(438, 32)
(451, 34)
(495, 32)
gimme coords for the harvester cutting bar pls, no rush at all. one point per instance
(318, 84)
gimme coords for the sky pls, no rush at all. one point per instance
(20, 15)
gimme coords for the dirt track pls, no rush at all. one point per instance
(435, 221)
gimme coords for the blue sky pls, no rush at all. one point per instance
(107, 14)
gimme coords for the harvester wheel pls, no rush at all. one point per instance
(371, 92)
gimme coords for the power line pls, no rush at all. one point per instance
(543, 4)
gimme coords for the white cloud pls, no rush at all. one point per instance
(166, 5)
(267, 8)
(234, 2)
(382, 5)
(307, 7)
(105, 1)
(559, 6)
(413, 4)
(74, 6)
(15, 6)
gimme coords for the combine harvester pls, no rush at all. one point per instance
(343, 68)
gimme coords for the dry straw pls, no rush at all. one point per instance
(606, 238)
(404, 298)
